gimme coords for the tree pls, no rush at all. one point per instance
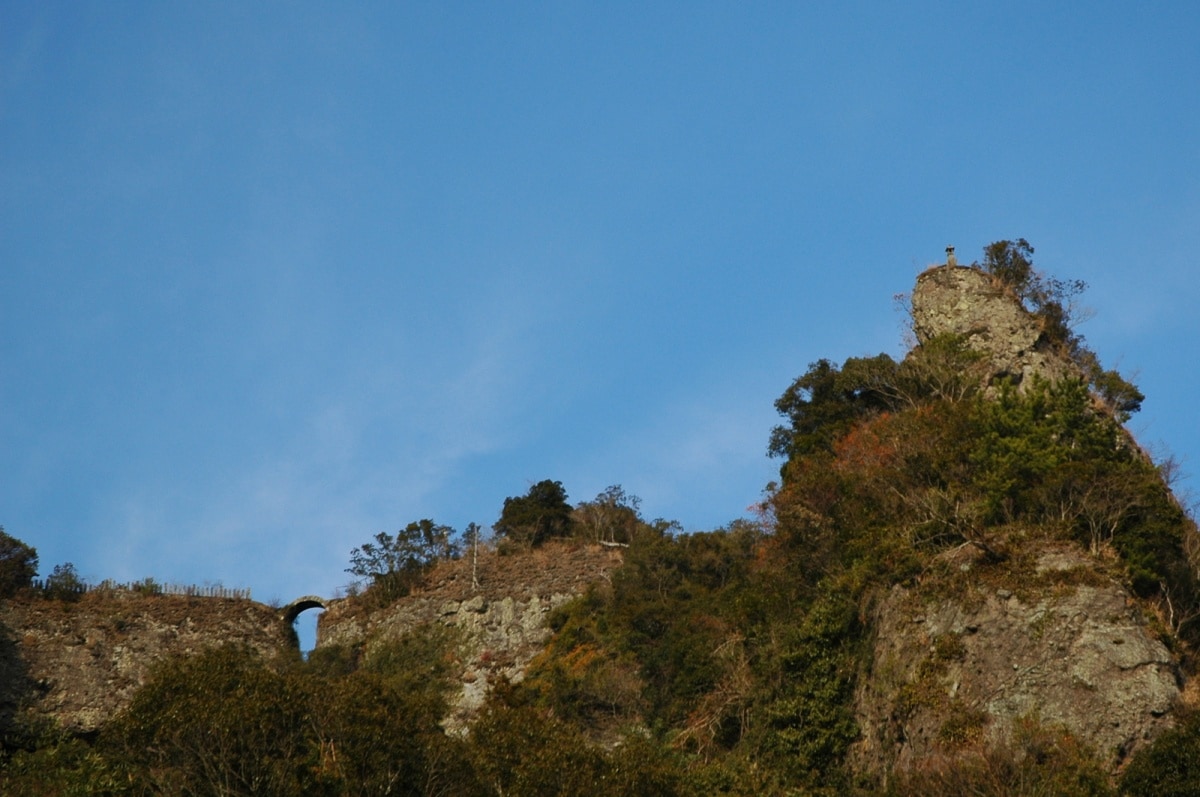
(1050, 299)
(224, 721)
(377, 727)
(944, 367)
(64, 583)
(519, 749)
(394, 563)
(1012, 263)
(611, 517)
(1120, 395)
(537, 516)
(18, 565)
(825, 401)
(1054, 302)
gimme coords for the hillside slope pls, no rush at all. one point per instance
(968, 579)
(501, 615)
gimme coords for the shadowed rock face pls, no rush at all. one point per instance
(14, 677)
(1055, 639)
(965, 301)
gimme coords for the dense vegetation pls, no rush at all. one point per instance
(18, 564)
(722, 662)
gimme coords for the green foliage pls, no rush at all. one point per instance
(63, 767)
(1052, 301)
(64, 584)
(611, 517)
(227, 721)
(667, 610)
(395, 563)
(579, 678)
(944, 368)
(541, 514)
(931, 472)
(707, 639)
(520, 749)
(809, 719)
(1011, 262)
(419, 663)
(641, 766)
(376, 736)
(375, 716)
(18, 565)
(826, 400)
(147, 586)
(1023, 438)
(221, 722)
(1170, 766)
(1047, 457)
(1037, 761)
(334, 661)
(1119, 394)
(1048, 298)
(878, 482)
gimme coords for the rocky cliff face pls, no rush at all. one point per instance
(502, 621)
(1045, 632)
(975, 647)
(965, 301)
(79, 663)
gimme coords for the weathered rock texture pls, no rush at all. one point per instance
(503, 621)
(972, 649)
(965, 301)
(80, 662)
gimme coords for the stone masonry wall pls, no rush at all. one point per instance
(80, 662)
(503, 620)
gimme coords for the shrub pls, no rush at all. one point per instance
(1170, 767)
(64, 584)
(537, 516)
(1037, 761)
(18, 565)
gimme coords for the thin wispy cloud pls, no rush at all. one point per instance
(272, 284)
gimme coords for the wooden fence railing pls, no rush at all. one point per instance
(147, 587)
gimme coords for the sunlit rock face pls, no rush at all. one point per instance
(79, 663)
(980, 643)
(969, 652)
(965, 301)
(500, 609)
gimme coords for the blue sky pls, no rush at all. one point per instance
(275, 277)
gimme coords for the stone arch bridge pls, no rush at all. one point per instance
(293, 609)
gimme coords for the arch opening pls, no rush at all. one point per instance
(301, 617)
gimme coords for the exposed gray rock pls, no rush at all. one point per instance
(79, 663)
(503, 623)
(1069, 647)
(966, 301)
